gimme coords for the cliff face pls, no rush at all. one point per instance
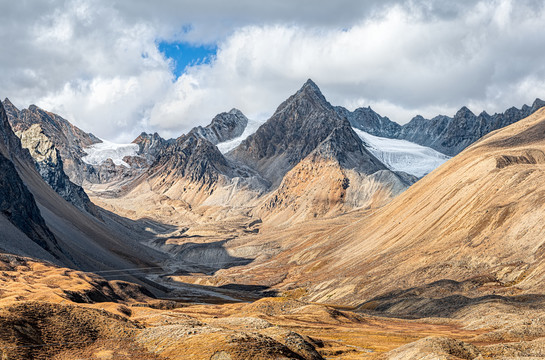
(17, 203)
(50, 166)
(68, 139)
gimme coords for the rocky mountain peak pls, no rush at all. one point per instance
(7, 103)
(224, 127)
(538, 104)
(366, 119)
(310, 89)
(465, 113)
(297, 127)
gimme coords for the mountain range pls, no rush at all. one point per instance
(353, 223)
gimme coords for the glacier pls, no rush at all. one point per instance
(403, 155)
(229, 145)
(100, 152)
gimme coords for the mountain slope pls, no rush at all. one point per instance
(18, 206)
(338, 176)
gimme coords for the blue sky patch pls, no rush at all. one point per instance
(185, 54)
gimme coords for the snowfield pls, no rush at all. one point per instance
(229, 145)
(98, 153)
(403, 155)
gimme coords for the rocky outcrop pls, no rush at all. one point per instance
(366, 119)
(68, 139)
(151, 145)
(17, 203)
(224, 127)
(50, 166)
(448, 135)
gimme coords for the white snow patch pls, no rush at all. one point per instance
(403, 155)
(98, 153)
(229, 145)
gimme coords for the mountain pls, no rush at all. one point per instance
(150, 145)
(445, 134)
(306, 140)
(224, 127)
(193, 170)
(452, 135)
(337, 176)
(50, 167)
(295, 129)
(34, 214)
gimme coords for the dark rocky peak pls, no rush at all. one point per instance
(302, 122)
(484, 114)
(464, 113)
(150, 145)
(538, 104)
(418, 119)
(10, 109)
(307, 98)
(192, 157)
(224, 127)
(366, 119)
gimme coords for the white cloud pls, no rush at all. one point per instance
(402, 63)
(97, 63)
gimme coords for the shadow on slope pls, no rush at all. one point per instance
(447, 298)
(205, 258)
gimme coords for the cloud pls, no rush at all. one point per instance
(98, 64)
(402, 63)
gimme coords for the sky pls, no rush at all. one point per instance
(119, 67)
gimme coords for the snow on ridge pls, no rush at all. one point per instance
(251, 127)
(100, 152)
(403, 155)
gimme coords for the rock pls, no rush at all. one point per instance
(224, 127)
(17, 203)
(151, 145)
(297, 127)
(68, 139)
(50, 166)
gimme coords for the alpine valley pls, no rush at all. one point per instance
(320, 233)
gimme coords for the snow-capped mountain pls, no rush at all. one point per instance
(403, 155)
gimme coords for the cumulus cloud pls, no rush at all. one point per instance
(97, 62)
